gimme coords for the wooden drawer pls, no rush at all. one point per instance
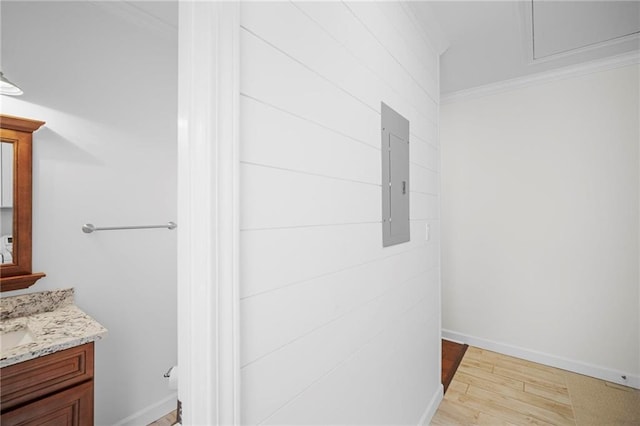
(30, 380)
(71, 407)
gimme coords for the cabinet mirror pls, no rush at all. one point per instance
(15, 202)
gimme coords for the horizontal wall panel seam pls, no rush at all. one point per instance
(415, 31)
(309, 226)
(302, 172)
(308, 68)
(422, 114)
(346, 359)
(319, 225)
(431, 169)
(253, 98)
(337, 271)
(409, 12)
(432, 121)
(424, 141)
(426, 92)
(428, 169)
(433, 194)
(419, 67)
(266, 190)
(341, 316)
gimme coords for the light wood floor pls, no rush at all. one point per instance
(168, 420)
(495, 389)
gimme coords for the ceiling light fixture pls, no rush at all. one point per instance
(8, 88)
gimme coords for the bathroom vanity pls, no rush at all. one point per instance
(57, 386)
(46, 341)
(46, 360)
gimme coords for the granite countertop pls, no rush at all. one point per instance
(55, 323)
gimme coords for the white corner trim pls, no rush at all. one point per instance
(432, 407)
(208, 215)
(613, 62)
(151, 413)
(608, 374)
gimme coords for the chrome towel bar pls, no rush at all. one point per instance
(88, 228)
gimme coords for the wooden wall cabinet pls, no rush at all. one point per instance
(6, 175)
(54, 389)
(17, 132)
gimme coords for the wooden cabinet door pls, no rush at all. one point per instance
(71, 407)
(33, 379)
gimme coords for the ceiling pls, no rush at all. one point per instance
(492, 41)
(488, 41)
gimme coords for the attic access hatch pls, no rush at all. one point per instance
(563, 27)
(395, 177)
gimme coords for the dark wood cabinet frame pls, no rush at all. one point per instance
(52, 389)
(18, 131)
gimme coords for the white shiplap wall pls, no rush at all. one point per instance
(335, 328)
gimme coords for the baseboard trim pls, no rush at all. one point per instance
(432, 407)
(151, 413)
(460, 342)
(610, 375)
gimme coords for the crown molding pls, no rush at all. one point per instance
(612, 62)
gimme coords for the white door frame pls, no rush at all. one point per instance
(208, 215)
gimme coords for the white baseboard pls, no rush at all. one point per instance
(432, 407)
(151, 413)
(610, 375)
(450, 339)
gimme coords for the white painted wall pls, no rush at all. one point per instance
(334, 328)
(540, 193)
(105, 81)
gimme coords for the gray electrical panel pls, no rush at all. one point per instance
(395, 177)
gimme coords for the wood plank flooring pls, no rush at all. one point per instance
(495, 389)
(168, 420)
